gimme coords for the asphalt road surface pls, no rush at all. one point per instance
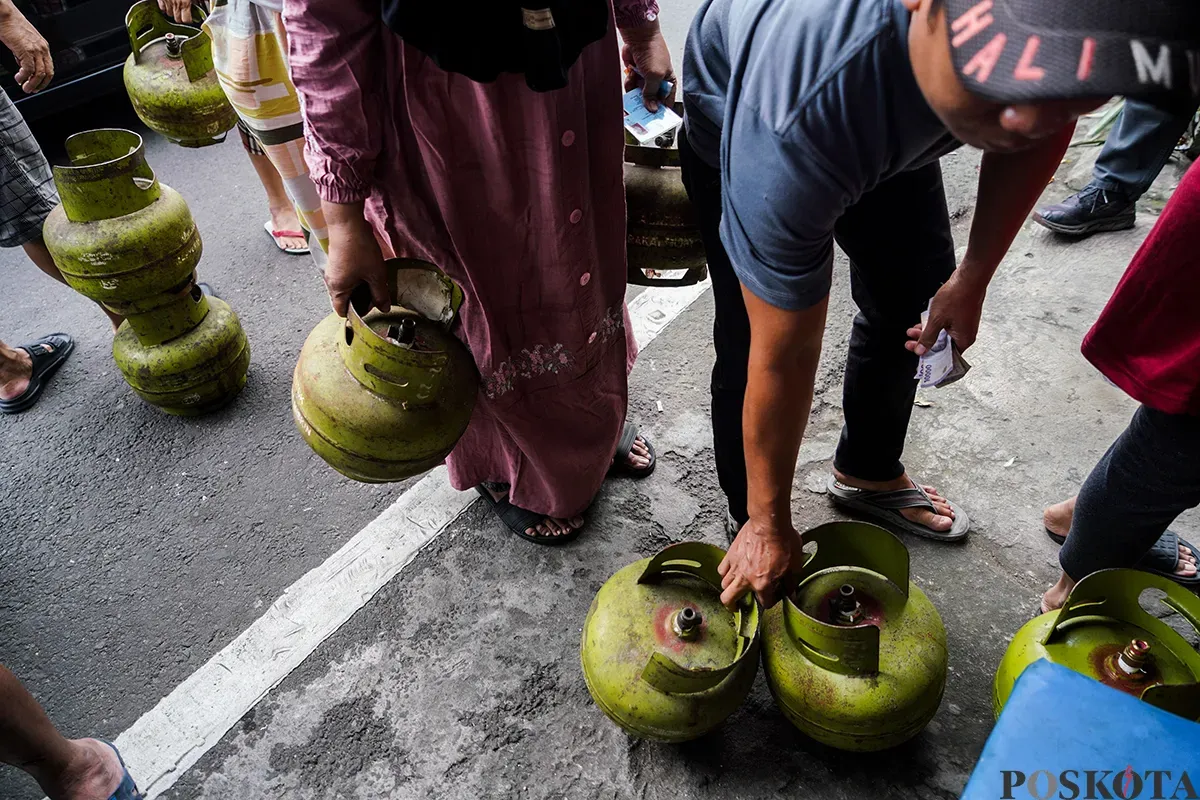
(135, 546)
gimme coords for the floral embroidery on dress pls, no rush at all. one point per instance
(612, 324)
(529, 363)
(542, 358)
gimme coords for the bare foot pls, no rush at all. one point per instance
(1057, 518)
(94, 773)
(285, 219)
(940, 519)
(550, 527)
(1056, 595)
(16, 369)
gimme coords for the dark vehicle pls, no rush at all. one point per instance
(89, 45)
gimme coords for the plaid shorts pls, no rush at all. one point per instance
(27, 193)
(250, 139)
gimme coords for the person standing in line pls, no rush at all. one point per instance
(1151, 474)
(812, 122)
(27, 196)
(249, 46)
(65, 769)
(437, 146)
(1138, 147)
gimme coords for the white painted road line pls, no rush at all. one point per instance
(170, 738)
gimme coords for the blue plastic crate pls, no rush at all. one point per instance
(1067, 737)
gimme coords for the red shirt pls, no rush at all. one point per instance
(1147, 339)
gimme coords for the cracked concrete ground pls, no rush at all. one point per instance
(461, 679)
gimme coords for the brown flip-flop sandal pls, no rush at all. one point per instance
(885, 507)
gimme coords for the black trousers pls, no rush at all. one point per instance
(1147, 478)
(898, 239)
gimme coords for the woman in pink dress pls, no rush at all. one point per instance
(518, 195)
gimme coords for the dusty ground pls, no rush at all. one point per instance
(135, 546)
(461, 679)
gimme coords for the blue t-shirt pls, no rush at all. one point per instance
(804, 105)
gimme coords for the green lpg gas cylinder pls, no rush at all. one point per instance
(385, 396)
(662, 231)
(119, 236)
(170, 78)
(856, 656)
(1103, 632)
(661, 656)
(191, 374)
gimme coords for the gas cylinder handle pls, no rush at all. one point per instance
(699, 560)
(197, 55)
(857, 544)
(847, 650)
(107, 176)
(424, 288)
(146, 23)
(1115, 594)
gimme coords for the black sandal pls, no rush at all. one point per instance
(47, 355)
(518, 520)
(1161, 559)
(629, 435)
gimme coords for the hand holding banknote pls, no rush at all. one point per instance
(948, 327)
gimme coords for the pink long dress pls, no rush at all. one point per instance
(518, 196)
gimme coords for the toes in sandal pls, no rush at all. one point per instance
(47, 354)
(127, 789)
(518, 520)
(278, 236)
(1163, 559)
(885, 507)
(629, 435)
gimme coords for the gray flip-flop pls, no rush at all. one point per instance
(1161, 559)
(885, 507)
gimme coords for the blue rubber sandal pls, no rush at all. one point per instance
(127, 790)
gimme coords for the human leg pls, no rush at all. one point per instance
(27, 193)
(901, 251)
(1149, 476)
(285, 225)
(731, 332)
(66, 769)
(1138, 147)
(40, 256)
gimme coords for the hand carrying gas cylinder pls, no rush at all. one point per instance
(856, 656)
(661, 656)
(1103, 632)
(170, 78)
(383, 396)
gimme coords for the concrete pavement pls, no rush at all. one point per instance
(136, 546)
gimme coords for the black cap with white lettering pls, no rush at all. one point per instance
(1029, 50)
